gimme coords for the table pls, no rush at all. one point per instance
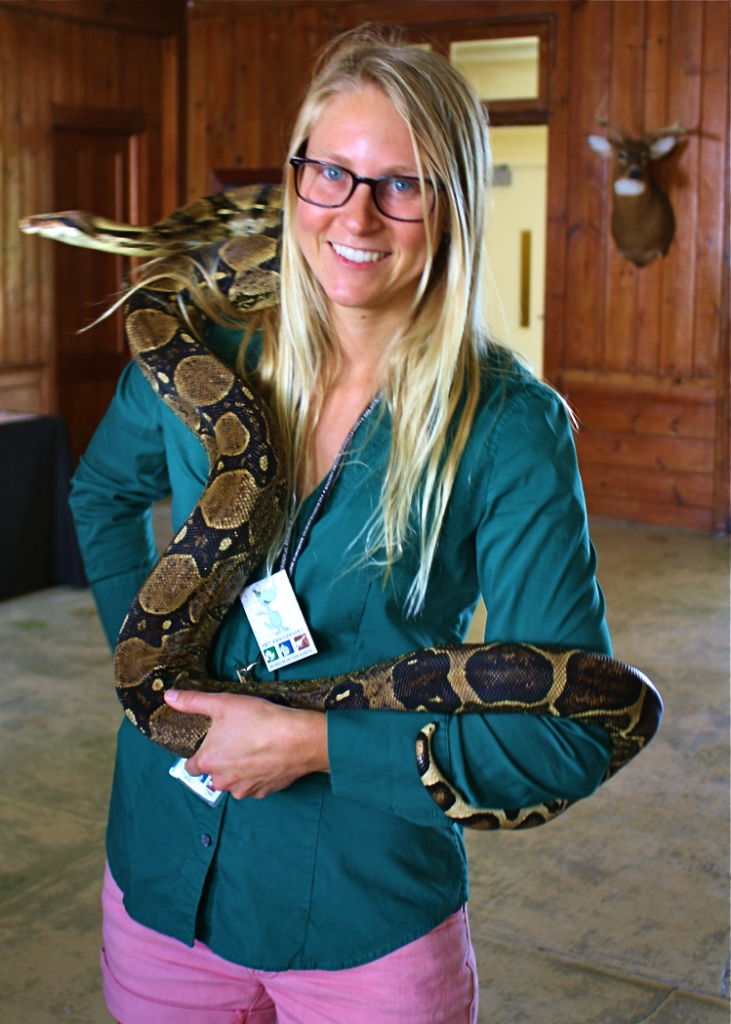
(38, 546)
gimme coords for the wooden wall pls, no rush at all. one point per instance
(641, 353)
(108, 57)
(250, 60)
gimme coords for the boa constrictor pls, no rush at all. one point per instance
(171, 624)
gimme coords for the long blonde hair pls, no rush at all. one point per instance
(433, 378)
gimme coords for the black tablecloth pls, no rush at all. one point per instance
(38, 546)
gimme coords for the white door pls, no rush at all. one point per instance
(516, 240)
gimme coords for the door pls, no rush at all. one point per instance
(507, 62)
(96, 170)
(507, 68)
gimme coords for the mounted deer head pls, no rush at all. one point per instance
(643, 223)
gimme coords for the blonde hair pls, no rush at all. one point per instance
(432, 378)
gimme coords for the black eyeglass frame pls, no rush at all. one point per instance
(300, 161)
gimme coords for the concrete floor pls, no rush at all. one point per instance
(616, 913)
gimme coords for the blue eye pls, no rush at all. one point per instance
(332, 173)
(401, 186)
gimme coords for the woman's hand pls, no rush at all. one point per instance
(253, 747)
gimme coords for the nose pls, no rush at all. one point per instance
(636, 174)
(360, 212)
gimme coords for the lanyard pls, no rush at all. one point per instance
(321, 498)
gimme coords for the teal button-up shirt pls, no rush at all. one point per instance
(343, 868)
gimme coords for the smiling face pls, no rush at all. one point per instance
(368, 264)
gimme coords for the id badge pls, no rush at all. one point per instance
(200, 784)
(277, 621)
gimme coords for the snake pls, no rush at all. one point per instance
(169, 629)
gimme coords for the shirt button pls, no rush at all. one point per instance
(205, 840)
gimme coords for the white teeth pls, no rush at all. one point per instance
(358, 255)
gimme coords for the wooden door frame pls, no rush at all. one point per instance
(553, 27)
(722, 457)
(118, 122)
(99, 120)
(502, 112)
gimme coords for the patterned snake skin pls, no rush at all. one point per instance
(171, 624)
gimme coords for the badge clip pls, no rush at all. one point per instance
(277, 622)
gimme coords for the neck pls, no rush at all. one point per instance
(363, 341)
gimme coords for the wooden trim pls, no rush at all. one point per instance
(668, 487)
(23, 388)
(543, 25)
(679, 454)
(642, 414)
(162, 18)
(404, 12)
(632, 510)
(216, 8)
(25, 364)
(722, 462)
(235, 177)
(98, 119)
(687, 390)
(173, 162)
(515, 112)
(139, 178)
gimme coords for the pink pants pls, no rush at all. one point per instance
(152, 979)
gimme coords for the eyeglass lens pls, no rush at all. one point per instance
(328, 185)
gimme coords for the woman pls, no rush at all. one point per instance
(338, 893)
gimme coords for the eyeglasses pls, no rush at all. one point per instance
(330, 186)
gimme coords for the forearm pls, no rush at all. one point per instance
(254, 748)
(121, 474)
(494, 761)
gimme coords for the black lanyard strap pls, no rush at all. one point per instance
(321, 498)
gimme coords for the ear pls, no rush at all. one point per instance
(600, 145)
(661, 147)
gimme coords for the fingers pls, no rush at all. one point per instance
(253, 748)
(189, 702)
(222, 709)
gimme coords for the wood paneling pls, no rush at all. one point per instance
(641, 353)
(98, 165)
(154, 17)
(636, 335)
(714, 115)
(577, 341)
(626, 55)
(249, 63)
(59, 61)
(681, 174)
(649, 282)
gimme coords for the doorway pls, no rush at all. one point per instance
(516, 240)
(506, 72)
(97, 157)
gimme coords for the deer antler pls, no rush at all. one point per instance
(601, 119)
(672, 129)
(615, 133)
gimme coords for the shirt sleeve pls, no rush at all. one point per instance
(536, 571)
(123, 472)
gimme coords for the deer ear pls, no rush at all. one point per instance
(661, 147)
(600, 145)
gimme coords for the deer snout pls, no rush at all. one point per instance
(629, 186)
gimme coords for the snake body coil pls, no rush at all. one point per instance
(171, 624)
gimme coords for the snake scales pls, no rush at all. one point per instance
(171, 624)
